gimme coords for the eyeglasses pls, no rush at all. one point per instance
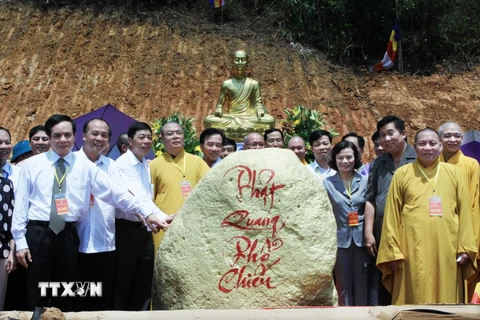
(279, 140)
(171, 133)
(256, 144)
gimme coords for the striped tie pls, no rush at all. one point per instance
(57, 221)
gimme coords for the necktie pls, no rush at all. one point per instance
(57, 221)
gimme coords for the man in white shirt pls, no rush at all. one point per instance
(211, 141)
(53, 194)
(321, 142)
(39, 141)
(134, 254)
(97, 230)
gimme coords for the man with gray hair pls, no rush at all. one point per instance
(451, 136)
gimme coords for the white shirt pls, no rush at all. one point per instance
(136, 176)
(97, 230)
(320, 172)
(34, 194)
(12, 173)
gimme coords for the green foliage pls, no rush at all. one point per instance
(192, 145)
(302, 122)
(358, 30)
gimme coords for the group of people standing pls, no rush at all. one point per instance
(408, 223)
(410, 237)
(81, 217)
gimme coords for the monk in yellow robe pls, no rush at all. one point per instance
(174, 174)
(451, 136)
(427, 229)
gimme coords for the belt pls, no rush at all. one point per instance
(45, 223)
(128, 223)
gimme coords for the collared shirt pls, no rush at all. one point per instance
(97, 230)
(34, 194)
(381, 173)
(136, 176)
(320, 172)
(216, 162)
(11, 172)
(342, 204)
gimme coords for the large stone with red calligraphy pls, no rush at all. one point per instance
(256, 232)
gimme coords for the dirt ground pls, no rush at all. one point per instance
(59, 59)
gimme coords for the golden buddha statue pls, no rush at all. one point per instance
(246, 110)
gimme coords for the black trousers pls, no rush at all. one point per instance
(15, 297)
(96, 267)
(54, 258)
(133, 266)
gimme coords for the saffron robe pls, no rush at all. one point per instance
(470, 170)
(166, 179)
(426, 245)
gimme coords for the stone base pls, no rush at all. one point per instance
(238, 133)
(383, 313)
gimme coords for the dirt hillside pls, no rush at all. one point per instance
(65, 60)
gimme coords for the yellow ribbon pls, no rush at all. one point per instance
(184, 164)
(59, 181)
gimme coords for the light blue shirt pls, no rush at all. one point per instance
(342, 204)
(320, 172)
(12, 173)
(216, 162)
(34, 193)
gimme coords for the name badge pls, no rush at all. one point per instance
(435, 204)
(186, 188)
(61, 203)
(91, 203)
(353, 219)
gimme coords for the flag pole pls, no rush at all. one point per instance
(222, 13)
(400, 59)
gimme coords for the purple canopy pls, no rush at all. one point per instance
(471, 144)
(118, 121)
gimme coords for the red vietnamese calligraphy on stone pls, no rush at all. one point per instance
(246, 249)
(266, 193)
(239, 219)
(251, 265)
(245, 279)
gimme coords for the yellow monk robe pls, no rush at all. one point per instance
(167, 175)
(470, 170)
(428, 245)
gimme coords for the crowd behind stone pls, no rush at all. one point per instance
(106, 235)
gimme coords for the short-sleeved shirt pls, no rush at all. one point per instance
(381, 174)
